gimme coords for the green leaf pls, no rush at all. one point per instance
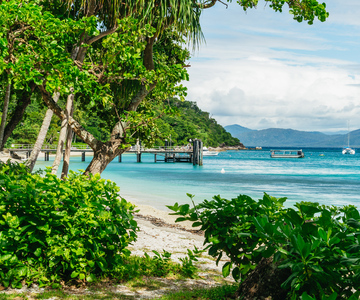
(333, 296)
(334, 240)
(236, 273)
(282, 250)
(305, 296)
(323, 234)
(293, 217)
(5, 257)
(353, 223)
(226, 269)
(37, 252)
(74, 274)
(91, 278)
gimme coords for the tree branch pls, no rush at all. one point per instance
(208, 4)
(86, 136)
(101, 35)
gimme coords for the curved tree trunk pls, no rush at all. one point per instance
(264, 282)
(103, 156)
(18, 113)
(69, 136)
(41, 136)
(62, 135)
(4, 115)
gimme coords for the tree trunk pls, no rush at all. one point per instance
(62, 135)
(18, 113)
(4, 115)
(103, 156)
(41, 136)
(264, 282)
(66, 162)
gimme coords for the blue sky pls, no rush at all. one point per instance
(261, 69)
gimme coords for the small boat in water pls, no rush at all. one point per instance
(206, 152)
(286, 154)
(348, 150)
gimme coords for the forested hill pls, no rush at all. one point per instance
(188, 122)
(191, 122)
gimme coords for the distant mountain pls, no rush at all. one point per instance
(277, 137)
(236, 129)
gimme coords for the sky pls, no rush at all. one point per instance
(262, 69)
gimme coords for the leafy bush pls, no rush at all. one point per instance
(158, 265)
(53, 230)
(319, 244)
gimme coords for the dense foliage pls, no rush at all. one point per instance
(52, 230)
(191, 122)
(319, 244)
(28, 130)
(188, 122)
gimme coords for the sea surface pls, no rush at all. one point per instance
(323, 175)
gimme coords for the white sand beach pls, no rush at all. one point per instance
(158, 231)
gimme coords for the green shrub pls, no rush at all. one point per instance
(320, 244)
(53, 230)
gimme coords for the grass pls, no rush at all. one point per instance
(215, 293)
(142, 275)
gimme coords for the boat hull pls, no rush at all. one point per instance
(286, 154)
(348, 150)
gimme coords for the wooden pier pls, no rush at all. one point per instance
(192, 154)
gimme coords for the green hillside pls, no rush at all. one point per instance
(190, 122)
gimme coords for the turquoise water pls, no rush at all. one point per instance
(332, 179)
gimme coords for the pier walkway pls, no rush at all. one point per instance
(193, 154)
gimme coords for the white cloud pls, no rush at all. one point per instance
(259, 73)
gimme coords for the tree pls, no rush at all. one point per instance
(4, 114)
(135, 88)
(133, 62)
(41, 136)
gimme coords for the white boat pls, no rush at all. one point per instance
(348, 149)
(206, 152)
(286, 154)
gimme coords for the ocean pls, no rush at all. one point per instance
(323, 175)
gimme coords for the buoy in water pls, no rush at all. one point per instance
(222, 171)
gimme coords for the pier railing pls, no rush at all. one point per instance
(44, 147)
(188, 153)
(29, 147)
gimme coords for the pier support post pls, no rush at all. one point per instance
(197, 156)
(47, 155)
(82, 156)
(119, 157)
(166, 147)
(138, 150)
